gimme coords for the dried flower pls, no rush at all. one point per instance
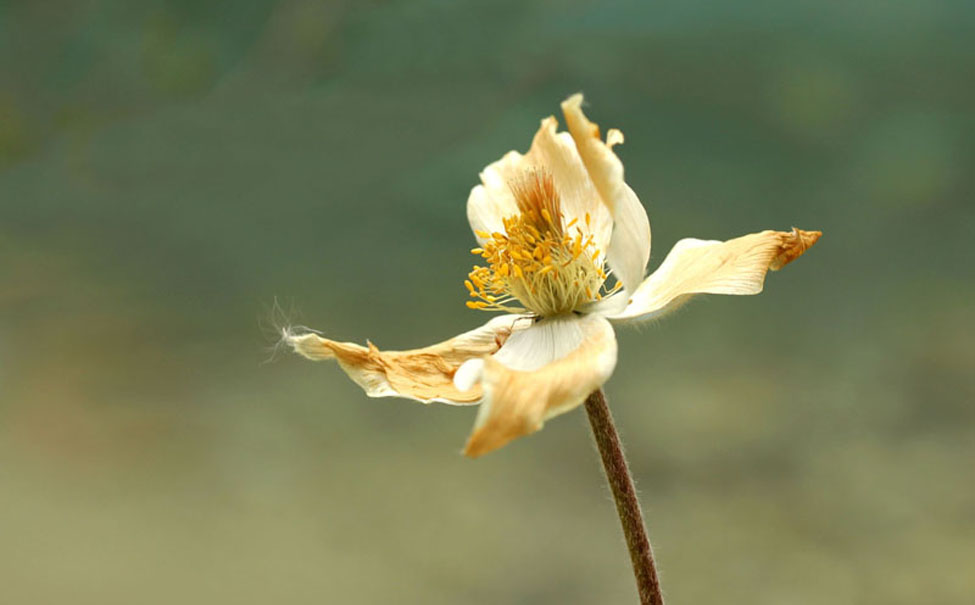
(564, 243)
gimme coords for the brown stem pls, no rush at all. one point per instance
(627, 505)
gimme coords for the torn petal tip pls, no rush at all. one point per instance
(614, 137)
(793, 245)
(573, 100)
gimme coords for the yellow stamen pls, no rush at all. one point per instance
(535, 261)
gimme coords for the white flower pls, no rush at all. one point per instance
(565, 244)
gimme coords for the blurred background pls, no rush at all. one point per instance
(178, 177)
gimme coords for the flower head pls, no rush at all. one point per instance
(563, 244)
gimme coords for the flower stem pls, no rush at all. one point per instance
(627, 505)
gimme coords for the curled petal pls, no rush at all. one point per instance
(539, 373)
(629, 249)
(694, 266)
(422, 374)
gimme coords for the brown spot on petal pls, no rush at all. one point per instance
(793, 246)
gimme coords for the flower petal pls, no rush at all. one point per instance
(422, 374)
(541, 372)
(694, 266)
(493, 200)
(556, 154)
(629, 249)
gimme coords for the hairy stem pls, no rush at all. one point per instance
(627, 505)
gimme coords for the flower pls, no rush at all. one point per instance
(565, 244)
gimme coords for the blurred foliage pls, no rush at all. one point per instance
(176, 177)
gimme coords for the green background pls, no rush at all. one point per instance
(178, 178)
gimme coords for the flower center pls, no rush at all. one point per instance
(548, 266)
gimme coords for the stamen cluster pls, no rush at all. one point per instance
(548, 266)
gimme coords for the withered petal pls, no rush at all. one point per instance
(425, 374)
(693, 266)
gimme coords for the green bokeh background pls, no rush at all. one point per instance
(178, 177)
